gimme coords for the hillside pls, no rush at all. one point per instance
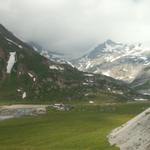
(25, 74)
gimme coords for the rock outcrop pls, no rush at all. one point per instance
(134, 135)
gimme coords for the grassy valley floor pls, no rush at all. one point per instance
(84, 128)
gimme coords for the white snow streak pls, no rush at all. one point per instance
(53, 67)
(11, 62)
(14, 43)
(31, 75)
(24, 95)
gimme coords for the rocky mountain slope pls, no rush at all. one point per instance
(134, 135)
(142, 83)
(25, 74)
(120, 61)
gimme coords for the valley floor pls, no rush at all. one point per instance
(83, 128)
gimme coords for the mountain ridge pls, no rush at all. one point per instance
(116, 60)
(34, 77)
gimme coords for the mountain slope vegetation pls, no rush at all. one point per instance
(25, 74)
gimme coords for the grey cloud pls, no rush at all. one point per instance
(75, 26)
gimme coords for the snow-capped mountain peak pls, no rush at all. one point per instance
(118, 60)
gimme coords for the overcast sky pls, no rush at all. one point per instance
(75, 26)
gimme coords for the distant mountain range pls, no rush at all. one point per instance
(126, 62)
(129, 63)
(53, 56)
(117, 60)
(26, 74)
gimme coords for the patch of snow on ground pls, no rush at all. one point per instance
(88, 65)
(56, 67)
(124, 69)
(146, 93)
(106, 73)
(87, 94)
(84, 83)
(147, 63)
(14, 43)
(109, 89)
(24, 95)
(34, 79)
(89, 75)
(61, 68)
(31, 75)
(11, 61)
(140, 99)
(69, 63)
(35, 48)
(20, 46)
(45, 54)
(117, 92)
(18, 90)
(108, 58)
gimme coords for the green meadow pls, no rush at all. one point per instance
(83, 128)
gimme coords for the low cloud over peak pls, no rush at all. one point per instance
(74, 26)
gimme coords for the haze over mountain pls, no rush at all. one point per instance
(75, 27)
